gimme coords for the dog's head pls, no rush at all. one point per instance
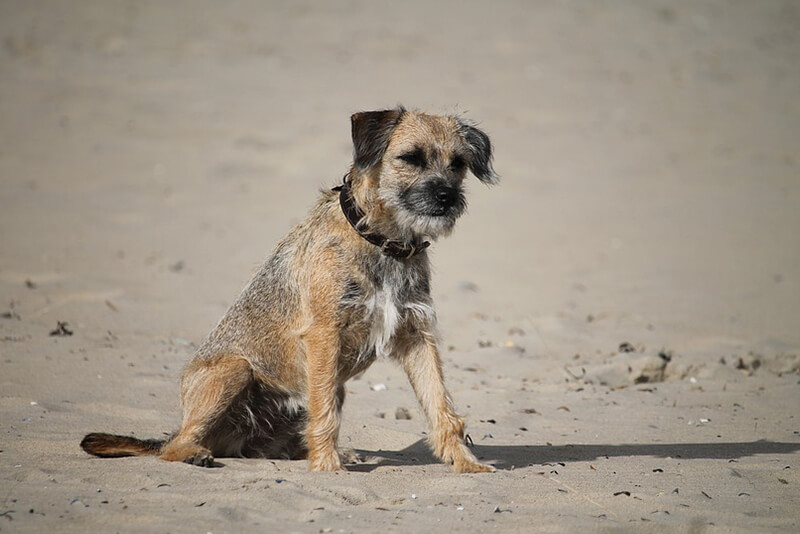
(410, 169)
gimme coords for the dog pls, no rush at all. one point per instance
(349, 284)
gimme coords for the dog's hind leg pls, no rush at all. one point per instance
(208, 388)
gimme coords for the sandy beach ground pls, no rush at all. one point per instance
(620, 317)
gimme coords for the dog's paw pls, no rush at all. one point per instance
(469, 466)
(189, 453)
(201, 459)
(325, 463)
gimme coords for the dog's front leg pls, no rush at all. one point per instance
(324, 398)
(424, 369)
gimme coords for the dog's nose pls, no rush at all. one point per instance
(445, 196)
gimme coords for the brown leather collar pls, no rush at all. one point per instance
(398, 250)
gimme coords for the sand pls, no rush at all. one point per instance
(620, 317)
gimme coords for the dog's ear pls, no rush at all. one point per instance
(480, 148)
(371, 132)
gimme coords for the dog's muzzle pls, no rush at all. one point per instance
(435, 198)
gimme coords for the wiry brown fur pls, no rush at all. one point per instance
(269, 380)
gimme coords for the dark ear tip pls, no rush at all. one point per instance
(396, 112)
(492, 179)
(481, 151)
(371, 131)
(489, 177)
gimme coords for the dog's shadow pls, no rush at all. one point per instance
(506, 457)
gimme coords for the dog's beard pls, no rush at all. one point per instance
(419, 216)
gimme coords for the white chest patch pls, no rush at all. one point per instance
(384, 318)
(386, 314)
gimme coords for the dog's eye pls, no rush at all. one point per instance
(415, 158)
(458, 164)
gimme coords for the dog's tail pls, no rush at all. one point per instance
(113, 446)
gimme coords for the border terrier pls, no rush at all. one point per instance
(347, 285)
